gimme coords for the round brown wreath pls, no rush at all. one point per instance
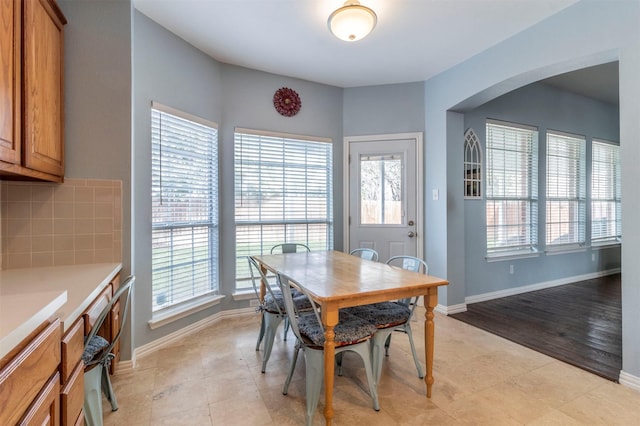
(287, 102)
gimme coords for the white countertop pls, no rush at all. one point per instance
(28, 297)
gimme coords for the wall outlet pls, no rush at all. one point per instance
(254, 303)
(593, 257)
(511, 269)
(435, 194)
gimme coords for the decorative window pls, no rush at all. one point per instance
(566, 190)
(184, 213)
(606, 202)
(472, 165)
(283, 194)
(512, 188)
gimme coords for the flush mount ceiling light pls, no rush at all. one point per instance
(352, 21)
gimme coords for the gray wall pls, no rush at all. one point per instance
(386, 109)
(544, 107)
(174, 73)
(584, 34)
(97, 67)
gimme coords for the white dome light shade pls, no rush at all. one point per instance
(352, 22)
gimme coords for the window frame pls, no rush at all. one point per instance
(191, 211)
(577, 202)
(290, 226)
(502, 201)
(616, 199)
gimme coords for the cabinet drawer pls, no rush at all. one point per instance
(26, 374)
(93, 312)
(72, 348)
(72, 397)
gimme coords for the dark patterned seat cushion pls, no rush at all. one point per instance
(96, 345)
(383, 315)
(301, 302)
(350, 329)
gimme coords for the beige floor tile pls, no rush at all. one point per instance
(213, 377)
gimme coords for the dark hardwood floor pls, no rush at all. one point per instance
(578, 323)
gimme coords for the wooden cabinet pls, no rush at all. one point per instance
(31, 90)
(30, 378)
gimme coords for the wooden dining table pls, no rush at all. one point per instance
(337, 280)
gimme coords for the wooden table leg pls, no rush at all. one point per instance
(431, 301)
(330, 319)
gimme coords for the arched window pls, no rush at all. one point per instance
(472, 165)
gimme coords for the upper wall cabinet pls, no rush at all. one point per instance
(31, 90)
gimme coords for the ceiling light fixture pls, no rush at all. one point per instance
(352, 21)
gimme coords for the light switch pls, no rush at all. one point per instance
(435, 194)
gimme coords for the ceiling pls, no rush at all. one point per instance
(414, 40)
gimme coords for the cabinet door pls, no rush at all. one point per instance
(46, 408)
(43, 38)
(10, 81)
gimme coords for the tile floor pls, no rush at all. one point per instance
(213, 378)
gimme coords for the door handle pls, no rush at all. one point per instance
(411, 234)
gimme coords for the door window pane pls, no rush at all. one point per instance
(381, 190)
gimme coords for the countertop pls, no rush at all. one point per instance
(28, 297)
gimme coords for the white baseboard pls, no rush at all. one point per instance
(186, 331)
(539, 286)
(629, 381)
(452, 309)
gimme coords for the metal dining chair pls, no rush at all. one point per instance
(97, 357)
(392, 316)
(273, 310)
(289, 248)
(365, 253)
(351, 334)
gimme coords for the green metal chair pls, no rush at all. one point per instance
(97, 357)
(273, 310)
(392, 316)
(351, 334)
(289, 248)
(365, 253)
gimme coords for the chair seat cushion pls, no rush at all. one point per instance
(93, 347)
(383, 315)
(350, 329)
(275, 299)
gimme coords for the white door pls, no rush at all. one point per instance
(383, 194)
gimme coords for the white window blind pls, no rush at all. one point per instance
(566, 190)
(511, 187)
(606, 204)
(283, 194)
(184, 207)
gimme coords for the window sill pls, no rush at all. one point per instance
(498, 257)
(169, 315)
(605, 245)
(244, 295)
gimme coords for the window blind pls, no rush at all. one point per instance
(283, 193)
(566, 189)
(606, 203)
(511, 187)
(184, 196)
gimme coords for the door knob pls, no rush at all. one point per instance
(411, 234)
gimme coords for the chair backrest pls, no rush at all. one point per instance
(289, 248)
(286, 286)
(257, 276)
(125, 290)
(365, 253)
(410, 263)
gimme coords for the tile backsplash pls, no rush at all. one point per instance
(76, 222)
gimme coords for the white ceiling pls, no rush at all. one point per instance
(414, 40)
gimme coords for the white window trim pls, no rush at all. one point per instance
(203, 301)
